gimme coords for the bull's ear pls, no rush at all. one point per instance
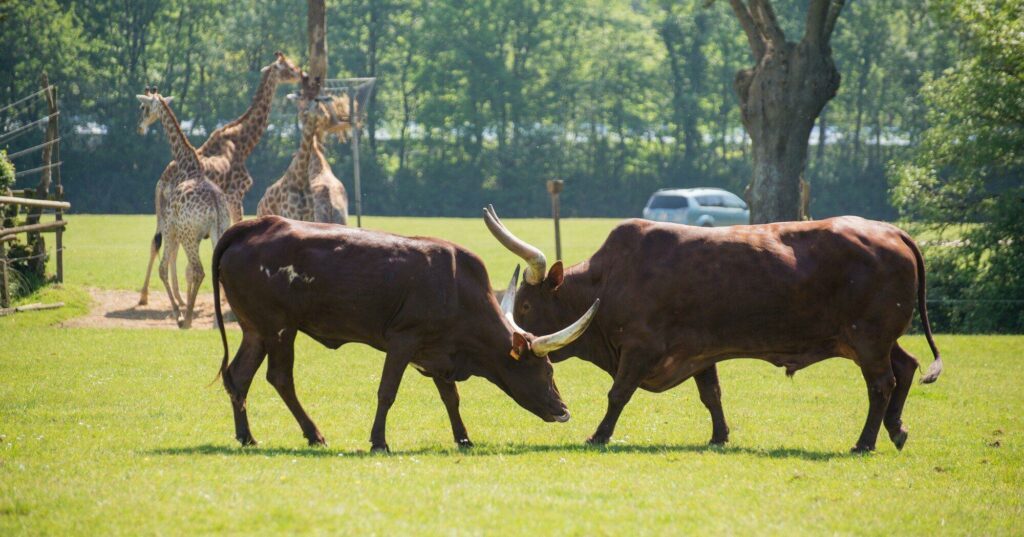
(555, 275)
(519, 345)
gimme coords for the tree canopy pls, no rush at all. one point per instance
(476, 101)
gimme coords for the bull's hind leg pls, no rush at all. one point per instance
(711, 396)
(279, 375)
(450, 396)
(878, 375)
(238, 378)
(903, 365)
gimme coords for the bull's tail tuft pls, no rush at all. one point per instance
(934, 371)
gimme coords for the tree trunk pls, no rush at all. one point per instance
(316, 34)
(780, 99)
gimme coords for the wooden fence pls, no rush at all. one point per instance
(36, 200)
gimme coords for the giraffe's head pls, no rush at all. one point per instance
(283, 68)
(149, 108)
(326, 114)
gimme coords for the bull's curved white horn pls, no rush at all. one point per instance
(508, 301)
(544, 345)
(535, 260)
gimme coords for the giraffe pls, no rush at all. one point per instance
(195, 208)
(223, 156)
(308, 190)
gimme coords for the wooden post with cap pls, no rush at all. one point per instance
(555, 187)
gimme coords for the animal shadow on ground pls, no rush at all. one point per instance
(508, 449)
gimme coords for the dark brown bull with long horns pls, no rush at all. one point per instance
(425, 302)
(678, 299)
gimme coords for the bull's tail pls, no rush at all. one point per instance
(218, 251)
(935, 369)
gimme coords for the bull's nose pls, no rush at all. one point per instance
(563, 418)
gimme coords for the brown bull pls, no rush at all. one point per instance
(678, 299)
(425, 302)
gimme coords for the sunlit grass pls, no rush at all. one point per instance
(119, 432)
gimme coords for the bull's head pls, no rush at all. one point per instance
(535, 303)
(526, 373)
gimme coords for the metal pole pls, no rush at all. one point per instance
(354, 115)
(555, 187)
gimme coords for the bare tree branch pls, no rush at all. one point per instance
(757, 45)
(833, 14)
(814, 28)
(764, 15)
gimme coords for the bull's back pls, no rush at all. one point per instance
(336, 283)
(754, 287)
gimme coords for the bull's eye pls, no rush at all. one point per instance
(525, 307)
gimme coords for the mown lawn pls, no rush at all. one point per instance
(111, 251)
(120, 432)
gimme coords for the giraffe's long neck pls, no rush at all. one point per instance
(317, 159)
(254, 121)
(299, 167)
(184, 154)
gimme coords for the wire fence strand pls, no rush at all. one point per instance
(32, 149)
(10, 134)
(27, 97)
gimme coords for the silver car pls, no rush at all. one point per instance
(697, 207)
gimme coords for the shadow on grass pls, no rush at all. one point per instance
(487, 450)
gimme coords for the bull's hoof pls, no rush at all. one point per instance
(247, 441)
(899, 438)
(598, 440)
(380, 448)
(862, 449)
(317, 441)
(718, 442)
(464, 443)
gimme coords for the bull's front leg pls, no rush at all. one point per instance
(394, 366)
(627, 380)
(711, 396)
(450, 396)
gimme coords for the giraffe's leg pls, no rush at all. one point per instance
(154, 249)
(235, 208)
(165, 261)
(174, 278)
(194, 273)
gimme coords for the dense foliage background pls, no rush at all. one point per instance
(477, 101)
(482, 101)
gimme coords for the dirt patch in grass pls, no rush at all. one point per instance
(118, 308)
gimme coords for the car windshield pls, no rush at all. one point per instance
(664, 201)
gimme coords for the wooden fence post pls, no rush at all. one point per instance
(555, 187)
(5, 289)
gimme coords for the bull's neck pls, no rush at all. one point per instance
(184, 154)
(253, 122)
(576, 294)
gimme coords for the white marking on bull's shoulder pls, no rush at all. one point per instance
(265, 270)
(280, 334)
(420, 368)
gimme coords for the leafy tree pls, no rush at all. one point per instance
(970, 161)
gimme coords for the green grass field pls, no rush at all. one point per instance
(120, 432)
